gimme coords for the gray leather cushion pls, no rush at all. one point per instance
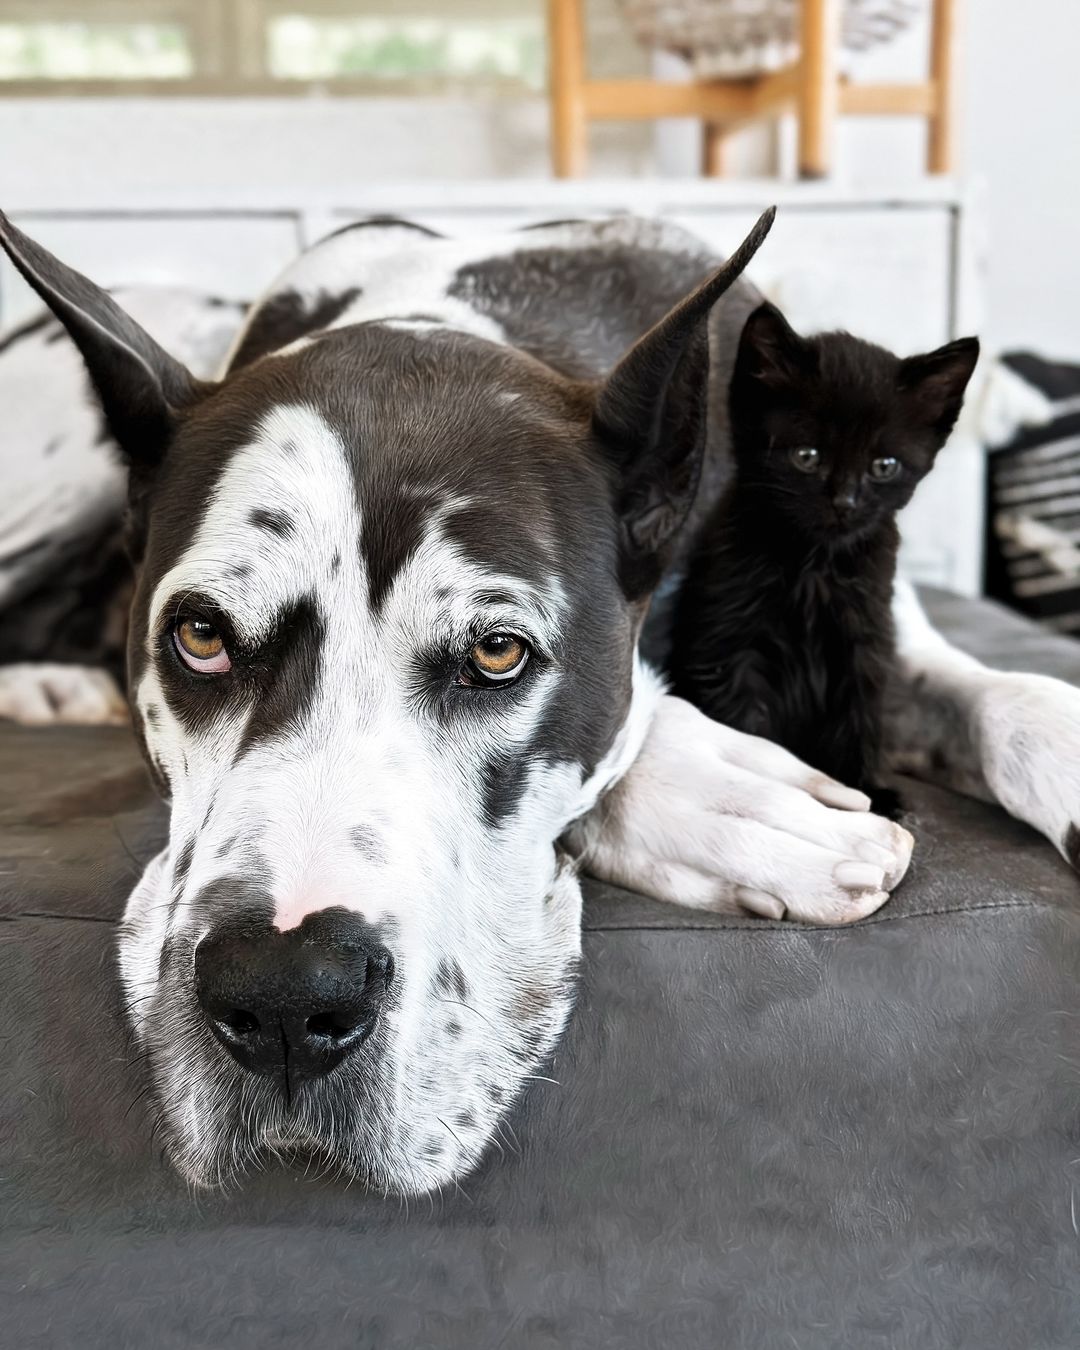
(760, 1134)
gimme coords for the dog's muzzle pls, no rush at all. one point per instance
(293, 1005)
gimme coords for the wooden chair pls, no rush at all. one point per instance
(812, 88)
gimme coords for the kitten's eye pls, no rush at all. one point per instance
(498, 658)
(884, 468)
(201, 647)
(805, 458)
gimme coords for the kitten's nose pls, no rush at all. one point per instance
(844, 502)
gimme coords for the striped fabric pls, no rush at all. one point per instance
(1033, 548)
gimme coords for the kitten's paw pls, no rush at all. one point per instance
(48, 695)
(1029, 739)
(714, 819)
(886, 801)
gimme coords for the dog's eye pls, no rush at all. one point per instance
(805, 458)
(498, 658)
(201, 646)
(884, 468)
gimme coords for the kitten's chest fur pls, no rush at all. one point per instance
(790, 641)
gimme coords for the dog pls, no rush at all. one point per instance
(402, 577)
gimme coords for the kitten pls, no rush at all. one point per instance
(784, 625)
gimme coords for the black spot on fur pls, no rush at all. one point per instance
(153, 716)
(450, 979)
(367, 842)
(180, 873)
(286, 317)
(51, 446)
(288, 674)
(453, 1028)
(241, 571)
(277, 522)
(71, 603)
(1072, 846)
(551, 224)
(502, 783)
(465, 1120)
(392, 532)
(374, 222)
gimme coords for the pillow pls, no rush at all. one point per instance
(1033, 516)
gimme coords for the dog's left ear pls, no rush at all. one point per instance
(937, 380)
(651, 411)
(140, 386)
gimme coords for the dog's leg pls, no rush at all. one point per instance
(716, 819)
(1003, 736)
(39, 694)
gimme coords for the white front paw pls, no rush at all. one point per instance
(1029, 738)
(41, 695)
(715, 819)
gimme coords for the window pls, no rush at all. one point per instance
(272, 46)
(72, 50)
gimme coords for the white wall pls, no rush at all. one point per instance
(1022, 130)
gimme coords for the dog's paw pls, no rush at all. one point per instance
(1029, 741)
(46, 695)
(715, 819)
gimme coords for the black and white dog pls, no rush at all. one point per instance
(395, 575)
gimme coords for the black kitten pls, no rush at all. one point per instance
(784, 626)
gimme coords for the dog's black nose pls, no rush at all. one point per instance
(298, 1002)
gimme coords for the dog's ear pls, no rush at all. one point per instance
(140, 386)
(938, 379)
(650, 412)
(770, 350)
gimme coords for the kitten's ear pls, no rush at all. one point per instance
(650, 412)
(140, 386)
(770, 350)
(938, 379)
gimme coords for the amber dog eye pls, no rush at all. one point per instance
(805, 458)
(201, 647)
(498, 658)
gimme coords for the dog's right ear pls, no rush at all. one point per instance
(650, 416)
(140, 386)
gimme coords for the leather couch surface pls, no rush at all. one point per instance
(760, 1134)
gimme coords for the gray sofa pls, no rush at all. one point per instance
(760, 1135)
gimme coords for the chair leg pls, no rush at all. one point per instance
(715, 150)
(819, 86)
(566, 59)
(940, 148)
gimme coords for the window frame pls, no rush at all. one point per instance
(229, 45)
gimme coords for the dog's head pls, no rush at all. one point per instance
(382, 653)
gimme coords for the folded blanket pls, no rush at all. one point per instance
(1033, 545)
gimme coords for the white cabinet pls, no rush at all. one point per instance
(896, 269)
(235, 256)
